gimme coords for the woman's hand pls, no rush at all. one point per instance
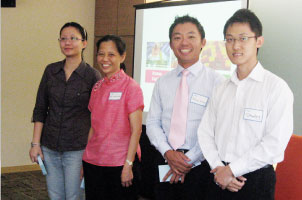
(82, 173)
(35, 149)
(127, 175)
(34, 152)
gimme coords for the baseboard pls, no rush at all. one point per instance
(23, 168)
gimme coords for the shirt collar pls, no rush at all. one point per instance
(58, 67)
(79, 70)
(117, 76)
(256, 74)
(193, 69)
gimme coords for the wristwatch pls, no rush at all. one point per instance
(129, 162)
(32, 144)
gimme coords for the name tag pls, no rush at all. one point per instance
(253, 115)
(115, 95)
(199, 99)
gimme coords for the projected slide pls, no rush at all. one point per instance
(214, 56)
(158, 54)
(153, 56)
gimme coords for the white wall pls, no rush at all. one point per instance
(29, 42)
(282, 50)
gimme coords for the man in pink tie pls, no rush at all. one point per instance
(179, 100)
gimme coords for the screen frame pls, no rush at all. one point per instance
(167, 3)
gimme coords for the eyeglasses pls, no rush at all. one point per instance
(242, 40)
(72, 39)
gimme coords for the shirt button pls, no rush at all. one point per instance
(78, 94)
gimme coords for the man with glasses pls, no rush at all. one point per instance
(249, 120)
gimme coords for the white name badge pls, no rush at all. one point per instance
(253, 114)
(115, 95)
(199, 99)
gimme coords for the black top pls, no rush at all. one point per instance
(63, 106)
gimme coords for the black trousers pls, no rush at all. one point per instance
(194, 187)
(105, 183)
(260, 185)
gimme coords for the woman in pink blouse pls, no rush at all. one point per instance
(116, 106)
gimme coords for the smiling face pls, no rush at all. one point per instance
(243, 53)
(109, 59)
(72, 48)
(186, 44)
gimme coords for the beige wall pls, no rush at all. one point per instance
(29, 35)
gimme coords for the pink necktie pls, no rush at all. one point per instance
(179, 116)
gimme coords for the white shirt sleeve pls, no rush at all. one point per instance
(206, 135)
(155, 131)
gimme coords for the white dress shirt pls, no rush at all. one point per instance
(201, 81)
(248, 123)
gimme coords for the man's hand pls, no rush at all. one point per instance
(236, 184)
(175, 178)
(178, 162)
(223, 176)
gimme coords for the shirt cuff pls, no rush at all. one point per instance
(216, 164)
(238, 168)
(195, 158)
(163, 148)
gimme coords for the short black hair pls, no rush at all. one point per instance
(245, 16)
(186, 19)
(119, 43)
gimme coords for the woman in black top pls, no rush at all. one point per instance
(61, 116)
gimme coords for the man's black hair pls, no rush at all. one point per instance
(245, 16)
(186, 19)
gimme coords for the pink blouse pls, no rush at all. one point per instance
(111, 102)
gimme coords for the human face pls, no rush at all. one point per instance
(243, 53)
(109, 59)
(72, 48)
(186, 44)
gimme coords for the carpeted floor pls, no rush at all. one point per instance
(23, 186)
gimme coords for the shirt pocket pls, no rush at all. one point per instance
(83, 95)
(197, 105)
(116, 106)
(77, 94)
(253, 118)
(55, 91)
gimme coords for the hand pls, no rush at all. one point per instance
(223, 176)
(175, 177)
(34, 152)
(127, 176)
(178, 162)
(82, 173)
(236, 184)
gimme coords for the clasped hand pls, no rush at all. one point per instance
(226, 180)
(179, 166)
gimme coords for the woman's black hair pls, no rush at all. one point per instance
(119, 43)
(81, 30)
